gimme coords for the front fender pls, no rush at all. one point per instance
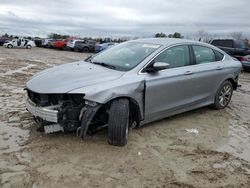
(109, 91)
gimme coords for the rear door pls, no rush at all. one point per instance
(169, 90)
(22, 43)
(209, 72)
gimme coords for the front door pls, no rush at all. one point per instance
(170, 90)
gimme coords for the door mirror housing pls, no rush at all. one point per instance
(157, 66)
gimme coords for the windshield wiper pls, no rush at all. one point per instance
(105, 65)
(89, 59)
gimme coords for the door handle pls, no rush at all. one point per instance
(188, 73)
(219, 68)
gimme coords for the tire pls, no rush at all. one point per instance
(28, 46)
(223, 95)
(85, 49)
(64, 48)
(246, 69)
(9, 46)
(118, 123)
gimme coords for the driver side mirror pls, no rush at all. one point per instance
(157, 66)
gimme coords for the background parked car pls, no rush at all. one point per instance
(51, 43)
(246, 62)
(38, 42)
(235, 48)
(21, 43)
(47, 42)
(60, 44)
(3, 40)
(103, 46)
(84, 46)
(71, 43)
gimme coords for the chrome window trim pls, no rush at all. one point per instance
(174, 45)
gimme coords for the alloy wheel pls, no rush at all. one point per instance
(225, 95)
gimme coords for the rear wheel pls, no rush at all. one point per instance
(10, 46)
(223, 95)
(85, 49)
(64, 48)
(118, 123)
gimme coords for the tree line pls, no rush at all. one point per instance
(163, 35)
(200, 35)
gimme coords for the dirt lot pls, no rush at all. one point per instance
(202, 148)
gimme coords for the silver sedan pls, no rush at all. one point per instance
(131, 84)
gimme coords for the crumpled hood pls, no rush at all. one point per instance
(67, 77)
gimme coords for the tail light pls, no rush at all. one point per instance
(244, 59)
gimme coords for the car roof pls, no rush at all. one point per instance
(168, 41)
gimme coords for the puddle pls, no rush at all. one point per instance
(238, 139)
(238, 142)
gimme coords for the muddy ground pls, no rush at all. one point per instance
(202, 148)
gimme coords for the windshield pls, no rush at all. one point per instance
(125, 56)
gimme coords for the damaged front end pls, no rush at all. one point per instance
(61, 112)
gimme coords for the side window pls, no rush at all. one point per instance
(227, 43)
(203, 54)
(177, 56)
(216, 43)
(240, 44)
(223, 43)
(219, 56)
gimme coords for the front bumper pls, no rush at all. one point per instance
(46, 113)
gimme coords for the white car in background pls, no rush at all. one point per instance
(45, 42)
(71, 43)
(20, 43)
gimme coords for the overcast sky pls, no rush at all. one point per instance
(123, 17)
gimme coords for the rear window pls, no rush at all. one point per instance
(203, 54)
(223, 43)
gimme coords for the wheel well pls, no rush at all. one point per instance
(233, 82)
(133, 108)
(85, 47)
